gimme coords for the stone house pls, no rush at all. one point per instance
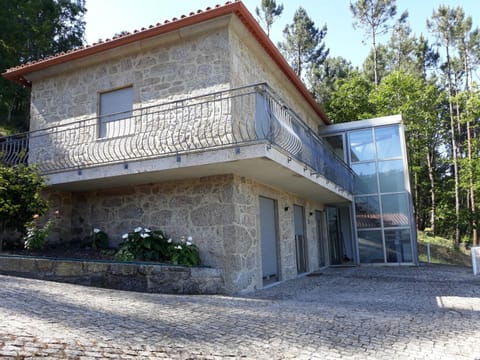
(199, 127)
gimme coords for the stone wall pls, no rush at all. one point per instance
(202, 208)
(251, 64)
(122, 276)
(246, 195)
(196, 65)
(221, 213)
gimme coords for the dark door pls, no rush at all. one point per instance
(319, 217)
(268, 236)
(300, 241)
(334, 236)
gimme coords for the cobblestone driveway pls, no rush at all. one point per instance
(354, 313)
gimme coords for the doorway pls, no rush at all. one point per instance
(340, 236)
(300, 241)
(268, 236)
(322, 243)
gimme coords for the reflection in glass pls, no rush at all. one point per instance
(361, 145)
(367, 210)
(336, 142)
(370, 246)
(388, 142)
(366, 179)
(398, 244)
(395, 210)
(391, 176)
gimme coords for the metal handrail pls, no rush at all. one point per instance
(14, 149)
(233, 117)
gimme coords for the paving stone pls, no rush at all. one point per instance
(357, 313)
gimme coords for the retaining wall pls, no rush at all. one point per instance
(143, 277)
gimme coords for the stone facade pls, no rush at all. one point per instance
(221, 213)
(165, 69)
(170, 71)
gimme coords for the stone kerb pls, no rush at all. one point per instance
(143, 277)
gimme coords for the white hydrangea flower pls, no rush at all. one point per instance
(190, 239)
(189, 243)
(169, 240)
(179, 247)
(124, 236)
(144, 235)
(138, 229)
(147, 230)
(96, 231)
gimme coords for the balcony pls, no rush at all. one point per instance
(233, 119)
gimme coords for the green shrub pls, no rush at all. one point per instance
(124, 255)
(20, 200)
(37, 234)
(146, 245)
(185, 254)
(96, 240)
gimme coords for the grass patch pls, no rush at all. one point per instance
(6, 130)
(442, 251)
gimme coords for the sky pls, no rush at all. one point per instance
(105, 18)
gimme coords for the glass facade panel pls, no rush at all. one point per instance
(382, 203)
(367, 210)
(361, 145)
(395, 210)
(366, 179)
(370, 246)
(391, 176)
(336, 142)
(399, 245)
(387, 139)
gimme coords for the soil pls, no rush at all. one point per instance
(70, 251)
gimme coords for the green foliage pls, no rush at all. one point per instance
(97, 239)
(20, 200)
(268, 12)
(185, 253)
(442, 250)
(123, 254)
(351, 100)
(146, 245)
(324, 78)
(380, 60)
(32, 30)
(37, 234)
(374, 17)
(303, 46)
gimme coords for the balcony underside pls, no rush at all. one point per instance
(261, 162)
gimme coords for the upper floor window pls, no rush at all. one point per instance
(115, 112)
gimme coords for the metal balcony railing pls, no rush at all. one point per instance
(14, 149)
(229, 118)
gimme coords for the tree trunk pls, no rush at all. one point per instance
(432, 193)
(454, 150)
(473, 210)
(375, 65)
(415, 186)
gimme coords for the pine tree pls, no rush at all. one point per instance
(374, 16)
(303, 46)
(32, 30)
(268, 12)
